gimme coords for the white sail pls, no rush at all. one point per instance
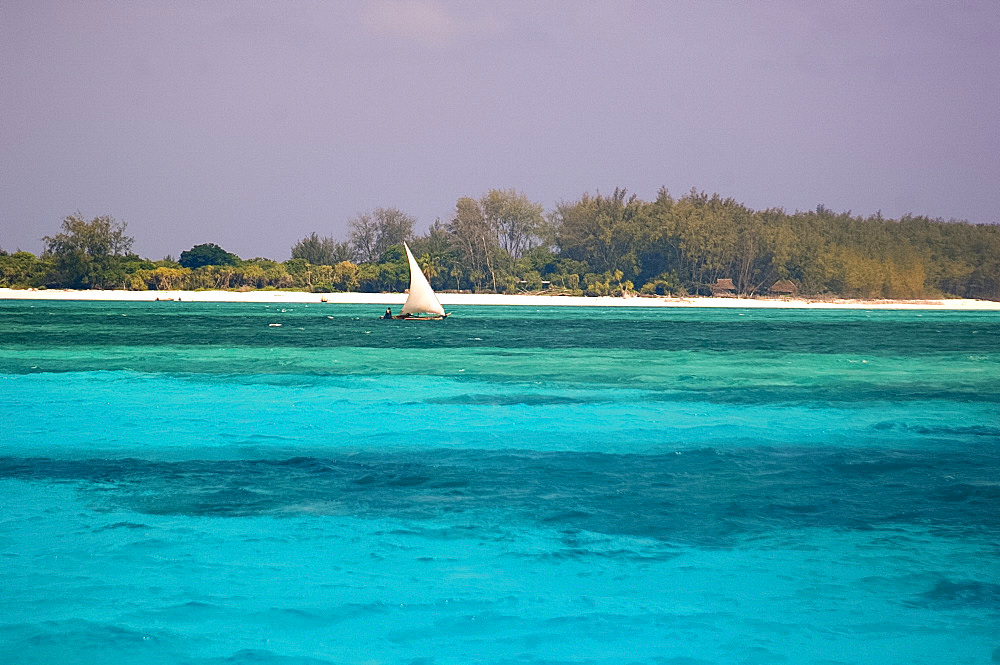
(421, 299)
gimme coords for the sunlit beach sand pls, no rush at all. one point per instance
(447, 299)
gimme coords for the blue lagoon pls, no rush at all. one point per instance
(192, 483)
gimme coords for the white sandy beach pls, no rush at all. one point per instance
(390, 299)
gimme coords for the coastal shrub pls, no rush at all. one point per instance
(136, 281)
(570, 281)
(531, 280)
(606, 284)
(507, 284)
(664, 284)
(202, 279)
(168, 279)
(23, 270)
(345, 276)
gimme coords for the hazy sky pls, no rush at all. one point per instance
(251, 124)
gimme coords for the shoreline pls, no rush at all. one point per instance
(489, 299)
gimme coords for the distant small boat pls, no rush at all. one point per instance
(421, 303)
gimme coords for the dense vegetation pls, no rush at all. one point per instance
(597, 245)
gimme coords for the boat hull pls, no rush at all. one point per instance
(408, 317)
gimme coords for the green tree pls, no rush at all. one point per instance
(607, 232)
(207, 254)
(514, 219)
(321, 251)
(475, 243)
(394, 269)
(89, 255)
(437, 254)
(373, 233)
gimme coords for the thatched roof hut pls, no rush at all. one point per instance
(723, 287)
(784, 287)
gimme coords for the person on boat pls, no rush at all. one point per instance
(388, 313)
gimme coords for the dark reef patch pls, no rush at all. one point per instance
(705, 496)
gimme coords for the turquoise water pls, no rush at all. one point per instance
(188, 483)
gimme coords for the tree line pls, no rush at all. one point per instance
(502, 242)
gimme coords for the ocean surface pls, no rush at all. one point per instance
(306, 484)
